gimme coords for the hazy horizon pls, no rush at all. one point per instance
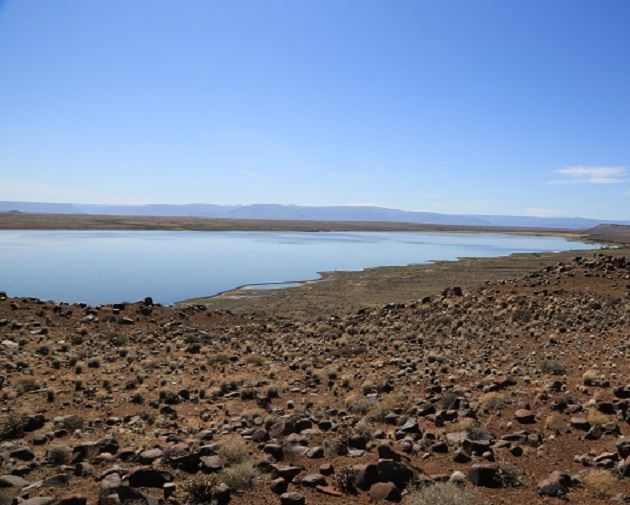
(277, 212)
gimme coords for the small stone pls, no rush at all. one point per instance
(279, 485)
(484, 475)
(292, 499)
(525, 416)
(385, 491)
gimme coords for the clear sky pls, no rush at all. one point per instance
(461, 106)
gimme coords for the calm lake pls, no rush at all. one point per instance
(114, 266)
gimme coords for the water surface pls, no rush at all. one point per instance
(113, 266)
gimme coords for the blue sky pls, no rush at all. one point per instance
(485, 106)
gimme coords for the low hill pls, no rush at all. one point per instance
(304, 213)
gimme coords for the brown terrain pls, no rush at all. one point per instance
(26, 221)
(502, 381)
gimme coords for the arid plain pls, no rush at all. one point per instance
(493, 381)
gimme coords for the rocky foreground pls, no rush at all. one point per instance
(517, 392)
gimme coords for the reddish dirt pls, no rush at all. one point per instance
(458, 362)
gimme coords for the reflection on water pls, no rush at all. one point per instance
(111, 266)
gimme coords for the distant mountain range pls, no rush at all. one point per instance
(296, 212)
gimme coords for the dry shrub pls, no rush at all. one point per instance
(240, 477)
(359, 406)
(255, 359)
(350, 351)
(553, 367)
(11, 427)
(492, 401)
(368, 387)
(601, 482)
(200, 489)
(554, 423)
(26, 385)
(234, 452)
(291, 452)
(590, 378)
(74, 422)
(444, 493)
(448, 400)
(59, 455)
(346, 480)
(594, 416)
(509, 475)
(218, 359)
(251, 414)
(118, 339)
(382, 407)
(462, 424)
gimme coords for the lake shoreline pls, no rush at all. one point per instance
(245, 291)
(374, 282)
(338, 291)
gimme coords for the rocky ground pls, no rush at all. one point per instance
(513, 392)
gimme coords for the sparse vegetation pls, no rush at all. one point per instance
(601, 482)
(26, 385)
(448, 400)
(201, 488)
(12, 426)
(118, 339)
(590, 378)
(509, 475)
(234, 452)
(240, 477)
(59, 455)
(379, 409)
(368, 387)
(72, 423)
(594, 416)
(254, 359)
(218, 359)
(553, 367)
(359, 406)
(345, 480)
(444, 379)
(444, 493)
(492, 401)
